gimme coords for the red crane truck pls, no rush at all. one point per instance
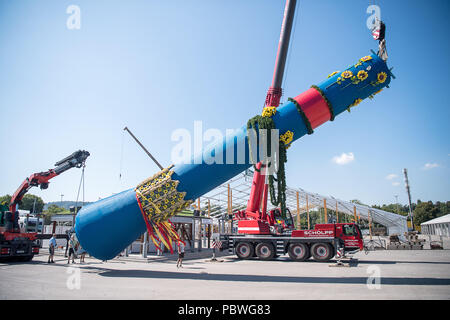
(259, 238)
(23, 245)
(269, 234)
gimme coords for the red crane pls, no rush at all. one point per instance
(13, 243)
(41, 179)
(268, 235)
(255, 216)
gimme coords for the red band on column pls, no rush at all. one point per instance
(314, 107)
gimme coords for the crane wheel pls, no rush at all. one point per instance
(322, 252)
(265, 251)
(244, 250)
(298, 251)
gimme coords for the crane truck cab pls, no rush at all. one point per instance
(278, 223)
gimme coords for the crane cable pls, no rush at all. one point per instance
(121, 155)
(79, 188)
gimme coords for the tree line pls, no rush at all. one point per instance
(35, 204)
(422, 211)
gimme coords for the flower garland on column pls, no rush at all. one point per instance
(265, 122)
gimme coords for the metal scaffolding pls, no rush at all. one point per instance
(235, 193)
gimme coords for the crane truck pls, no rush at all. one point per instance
(23, 245)
(270, 234)
(267, 235)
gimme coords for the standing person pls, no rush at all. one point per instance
(161, 246)
(180, 254)
(67, 243)
(51, 248)
(82, 253)
(72, 245)
(158, 250)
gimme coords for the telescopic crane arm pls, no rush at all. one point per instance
(143, 148)
(41, 179)
(257, 203)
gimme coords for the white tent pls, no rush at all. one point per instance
(439, 226)
(240, 187)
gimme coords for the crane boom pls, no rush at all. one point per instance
(275, 91)
(259, 191)
(41, 179)
(142, 146)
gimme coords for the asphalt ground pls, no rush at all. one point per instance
(394, 274)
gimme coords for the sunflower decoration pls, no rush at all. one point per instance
(377, 92)
(347, 74)
(362, 75)
(344, 75)
(269, 111)
(354, 104)
(365, 59)
(332, 74)
(381, 77)
(287, 137)
(373, 94)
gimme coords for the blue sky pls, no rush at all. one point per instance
(156, 66)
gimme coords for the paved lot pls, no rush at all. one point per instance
(421, 274)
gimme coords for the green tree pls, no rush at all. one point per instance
(394, 208)
(53, 208)
(31, 201)
(51, 211)
(6, 199)
(425, 211)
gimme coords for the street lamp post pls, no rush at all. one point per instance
(396, 202)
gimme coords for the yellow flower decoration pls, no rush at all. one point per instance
(377, 92)
(357, 101)
(366, 58)
(373, 94)
(287, 137)
(332, 74)
(354, 104)
(347, 74)
(381, 77)
(269, 111)
(362, 75)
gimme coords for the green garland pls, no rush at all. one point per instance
(260, 122)
(278, 198)
(304, 117)
(330, 107)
